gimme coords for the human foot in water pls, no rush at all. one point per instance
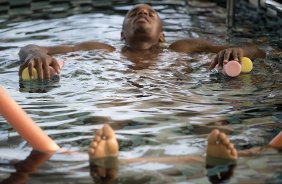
(104, 144)
(103, 152)
(219, 146)
(220, 151)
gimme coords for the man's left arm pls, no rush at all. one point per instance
(224, 52)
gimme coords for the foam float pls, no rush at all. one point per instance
(234, 68)
(53, 74)
(24, 125)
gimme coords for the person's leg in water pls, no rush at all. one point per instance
(103, 153)
(274, 144)
(220, 146)
(105, 145)
(104, 149)
(221, 157)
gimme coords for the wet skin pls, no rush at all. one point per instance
(104, 149)
(142, 33)
(142, 28)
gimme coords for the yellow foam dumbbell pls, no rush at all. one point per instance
(246, 65)
(25, 74)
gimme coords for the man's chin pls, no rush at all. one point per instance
(141, 29)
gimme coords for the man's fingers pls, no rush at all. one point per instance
(213, 63)
(22, 67)
(46, 69)
(234, 55)
(42, 63)
(240, 55)
(56, 66)
(30, 68)
(39, 69)
(220, 59)
(226, 56)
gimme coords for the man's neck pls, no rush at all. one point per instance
(136, 50)
(140, 46)
(141, 42)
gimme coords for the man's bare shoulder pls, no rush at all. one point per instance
(193, 45)
(92, 45)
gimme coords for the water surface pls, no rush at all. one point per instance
(165, 108)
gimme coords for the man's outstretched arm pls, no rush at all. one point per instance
(41, 57)
(224, 52)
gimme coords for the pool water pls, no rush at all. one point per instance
(164, 106)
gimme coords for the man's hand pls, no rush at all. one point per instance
(41, 62)
(226, 55)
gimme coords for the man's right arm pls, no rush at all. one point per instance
(34, 56)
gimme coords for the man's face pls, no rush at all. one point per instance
(142, 22)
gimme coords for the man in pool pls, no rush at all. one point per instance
(142, 32)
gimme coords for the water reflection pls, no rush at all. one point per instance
(25, 168)
(35, 86)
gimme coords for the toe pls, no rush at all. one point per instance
(91, 151)
(213, 136)
(93, 144)
(224, 139)
(108, 132)
(234, 153)
(99, 132)
(97, 138)
(231, 146)
(98, 135)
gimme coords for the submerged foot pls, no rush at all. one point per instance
(219, 146)
(104, 144)
(103, 152)
(220, 151)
